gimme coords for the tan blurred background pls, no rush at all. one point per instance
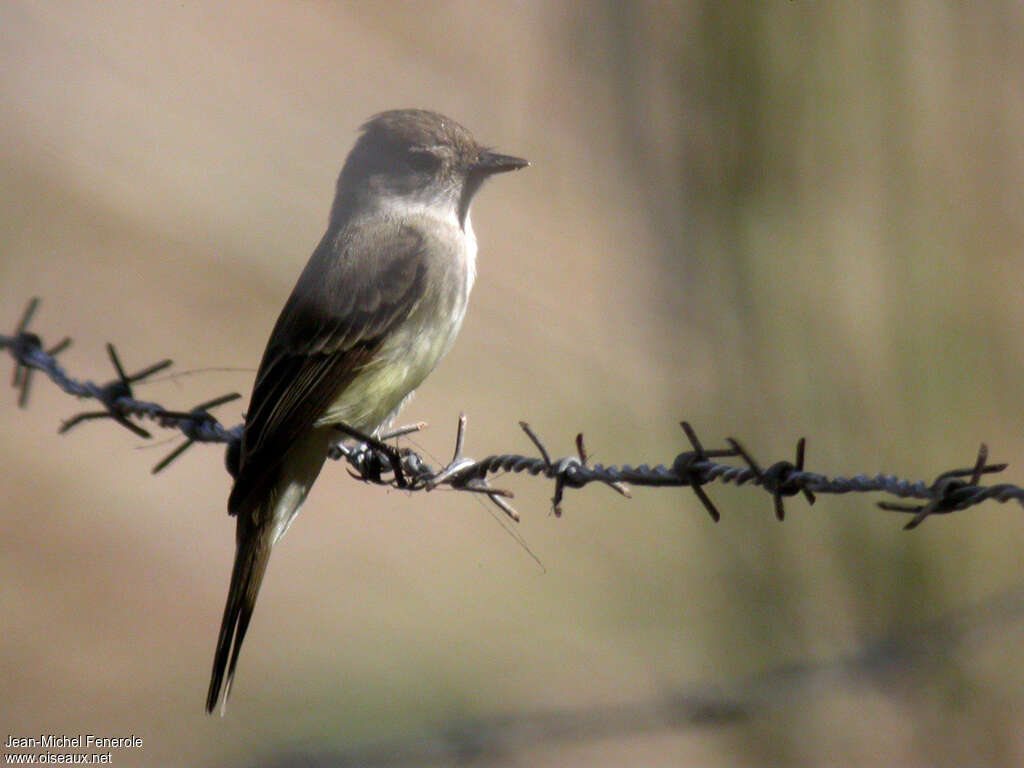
(773, 219)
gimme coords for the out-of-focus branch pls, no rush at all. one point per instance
(883, 665)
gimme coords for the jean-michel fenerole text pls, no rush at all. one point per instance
(80, 741)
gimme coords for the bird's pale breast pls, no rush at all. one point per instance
(410, 352)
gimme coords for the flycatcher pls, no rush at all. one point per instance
(375, 309)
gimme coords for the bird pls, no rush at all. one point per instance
(377, 306)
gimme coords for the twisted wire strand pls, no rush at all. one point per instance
(372, 460)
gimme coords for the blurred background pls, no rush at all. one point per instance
(771, 219)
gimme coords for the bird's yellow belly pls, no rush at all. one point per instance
(374, 396)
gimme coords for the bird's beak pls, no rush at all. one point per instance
(491, 162)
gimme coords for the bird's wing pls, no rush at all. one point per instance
(354, 291)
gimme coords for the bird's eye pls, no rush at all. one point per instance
(423, 161)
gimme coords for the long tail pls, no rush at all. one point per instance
(252, 553)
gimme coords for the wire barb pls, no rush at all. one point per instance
(116, 395)
(190, 422)
(686, 468)
(950, 493)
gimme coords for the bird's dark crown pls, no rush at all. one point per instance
(418, 129)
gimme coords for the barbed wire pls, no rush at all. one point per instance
(372, 460)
